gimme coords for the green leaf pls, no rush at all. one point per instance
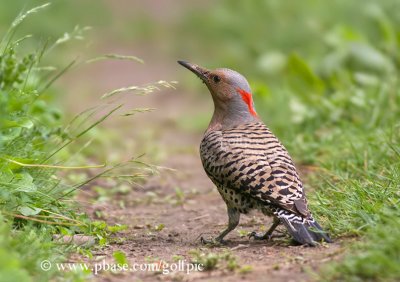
(159, 227)
(27, 211)
(366, 79)
(6, 174)
(9, 134)
(23, 122)
(120, 257)
(366, 57)
(117, 228)
(301, 76)
(13, 166)
(24, 182)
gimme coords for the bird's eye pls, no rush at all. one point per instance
(216, 78)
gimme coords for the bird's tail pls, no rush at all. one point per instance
(305, 231)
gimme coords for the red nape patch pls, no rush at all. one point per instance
(248, 99)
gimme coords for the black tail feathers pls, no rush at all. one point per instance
(305, 231)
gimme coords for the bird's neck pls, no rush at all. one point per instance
(227, 117)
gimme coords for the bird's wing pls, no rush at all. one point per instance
(256, 163)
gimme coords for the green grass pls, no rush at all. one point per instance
(377, 261)
(39, 152)
(88, 14)
(33, 199)
(326, 80)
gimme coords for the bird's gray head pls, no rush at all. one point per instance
(230, 91)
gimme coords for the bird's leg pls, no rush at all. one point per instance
(234, 217)
(268, 234)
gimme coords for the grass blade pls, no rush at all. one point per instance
(115, 57)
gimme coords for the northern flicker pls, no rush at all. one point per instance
(249, 166)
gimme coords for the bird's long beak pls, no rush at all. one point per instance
(199, 71)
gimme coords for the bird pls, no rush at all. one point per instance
(250, 167)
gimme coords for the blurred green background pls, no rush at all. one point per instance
(325, 77)
(314, 49)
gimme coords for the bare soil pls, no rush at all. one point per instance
(201, 213)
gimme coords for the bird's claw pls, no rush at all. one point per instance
(267, 237)
(257, 236)
(213, 242)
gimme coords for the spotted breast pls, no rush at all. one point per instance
(252, 169)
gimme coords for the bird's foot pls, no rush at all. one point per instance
(213, 242)
(265, 236)
(259, 236)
